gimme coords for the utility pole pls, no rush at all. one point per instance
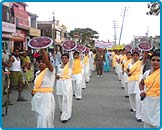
(114, 26)
(125, 9)
(147, 33)
(53, 28)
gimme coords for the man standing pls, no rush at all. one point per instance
(99, 60)
(43, 101)
(16, 76)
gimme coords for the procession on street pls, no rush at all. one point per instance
(64, 65)
(73, 74)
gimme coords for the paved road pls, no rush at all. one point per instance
(103, 106)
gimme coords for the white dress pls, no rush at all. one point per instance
(44, 103)
(64, 92)
(151, 108)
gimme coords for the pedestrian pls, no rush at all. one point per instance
(91, 61)
(125, 64)
(51, 56)
(150, 93)
(94, 64)
(118, 67)
(43, 102)
(16, 76)
(57, 58)
(86, 67)
(64, 90)
(27, 67)
(77, 72)
(134, 76)
(99, 60)
(107, 61)
(123, 59)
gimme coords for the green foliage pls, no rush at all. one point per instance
(84, 36)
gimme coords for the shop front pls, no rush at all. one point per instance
(7, 30)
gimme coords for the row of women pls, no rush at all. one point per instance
(71, 77)
(143, 89)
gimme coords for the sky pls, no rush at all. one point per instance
(99, 16)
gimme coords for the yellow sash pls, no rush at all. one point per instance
(77, 67)
(65, 74)
(85, 60)
(126, 64)
(43, 90)
(135, 71)
(94, 55)
(152, 83)
(38, 82)
(124, 57)
(115, 57)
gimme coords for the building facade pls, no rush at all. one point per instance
(53, 30)
(15, 26)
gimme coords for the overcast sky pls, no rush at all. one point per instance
(99, 16)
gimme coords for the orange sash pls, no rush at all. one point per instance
(85, 60)
(77, 67)
(94, 55)
(135, 71)
(65, 74)
(38, 82)
(152, 83)
(126, 64)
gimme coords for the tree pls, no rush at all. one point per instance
(84, 36)
(154, 8)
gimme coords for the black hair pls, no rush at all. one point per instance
(76, 52)
(154, 54)
(65, 54)
(128, 52)
(16, 49)
(135, 53)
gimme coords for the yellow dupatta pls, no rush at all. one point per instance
(115, 57)
(124, 57)
(127, 63)
(94, 55)
(85, 60)
(135, 71)
(77, 67)
(152, 83)
(38, 82)
(65, 74)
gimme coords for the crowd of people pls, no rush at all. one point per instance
(69, 73)
(141, 83)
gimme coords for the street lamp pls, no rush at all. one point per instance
(53, 28)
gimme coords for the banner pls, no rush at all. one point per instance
(21, 18)
(103, 44)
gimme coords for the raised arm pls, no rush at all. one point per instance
(145, 57)
(46, 60)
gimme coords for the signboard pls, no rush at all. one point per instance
(21, 18)
(8, 27)
(35, 32)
